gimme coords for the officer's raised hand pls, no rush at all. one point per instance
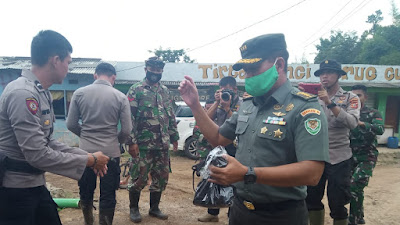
(189, 92)
(232, 173)
(323, 95)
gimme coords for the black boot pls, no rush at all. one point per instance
(154, 202)
(106, 216)
(134, 213)
(87, 210)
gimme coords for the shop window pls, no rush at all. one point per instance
(60, 104)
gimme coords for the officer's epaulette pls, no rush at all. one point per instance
(303, 95)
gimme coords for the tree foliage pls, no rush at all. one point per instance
(379, 46)
(341, 46)
(375, 19)
(174, 56)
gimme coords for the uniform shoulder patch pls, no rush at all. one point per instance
(354, 103)
(32, 105)
(313, 126)
(310, 111)
(304, 95)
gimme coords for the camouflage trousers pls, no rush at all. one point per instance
(155, 162)
(364, 161)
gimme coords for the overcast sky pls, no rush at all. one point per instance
(124, 30)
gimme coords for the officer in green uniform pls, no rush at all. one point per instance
(282, 138)
(363, 144)
(154, 129)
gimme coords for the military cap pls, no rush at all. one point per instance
(330, 64)
(260, 48)
(155, 62)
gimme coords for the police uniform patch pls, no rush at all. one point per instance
(313, 126)
(47, 122)
(309, 111)
(32, 105)
(354, 103)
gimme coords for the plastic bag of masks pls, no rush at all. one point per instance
(209, 194)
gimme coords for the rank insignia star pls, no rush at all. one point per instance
(278, 106)
(279, 113)
(264, 130)
(278, 133)
(289, 107)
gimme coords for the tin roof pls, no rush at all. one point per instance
(78, 65)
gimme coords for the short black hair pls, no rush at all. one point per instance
(227, 80)
(155, 62)
(48, 43)
(359, 87)
(105, 69)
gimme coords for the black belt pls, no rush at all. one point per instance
(275, 206)
(20, 166)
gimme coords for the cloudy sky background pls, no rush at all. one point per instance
(210, 31)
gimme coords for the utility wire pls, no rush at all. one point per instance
(325, 24)
(358, 7)
(212, 42)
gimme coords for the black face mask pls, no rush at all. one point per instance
(153, 77)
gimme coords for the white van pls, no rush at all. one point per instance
(186, 123)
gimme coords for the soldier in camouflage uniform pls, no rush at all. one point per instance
(154, 128)
(363, 144)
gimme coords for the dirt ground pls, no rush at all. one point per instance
(382, 198)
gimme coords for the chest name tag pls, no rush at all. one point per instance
(242, 118)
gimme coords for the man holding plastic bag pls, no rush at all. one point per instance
(282, 138)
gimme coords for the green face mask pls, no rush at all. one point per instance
(262, 83)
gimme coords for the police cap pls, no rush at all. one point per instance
(331, 65)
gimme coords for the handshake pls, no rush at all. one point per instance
(98, 161)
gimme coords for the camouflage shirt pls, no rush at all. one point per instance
(366, 135)
(154, 125)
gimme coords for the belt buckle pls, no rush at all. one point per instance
(248, 205)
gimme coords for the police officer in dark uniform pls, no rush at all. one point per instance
(27, 148)
(282, 138)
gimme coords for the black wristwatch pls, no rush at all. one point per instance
(250, 177)
(333, 104)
